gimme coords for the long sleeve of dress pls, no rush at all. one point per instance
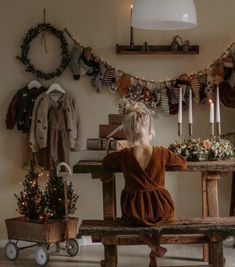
(32, 136)
(11, 112)
(174, 161)
(112, 161)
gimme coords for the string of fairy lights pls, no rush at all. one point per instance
(199, 73)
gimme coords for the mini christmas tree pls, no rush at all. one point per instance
(31, 201)
(55, 196)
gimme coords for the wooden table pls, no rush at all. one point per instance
(211, 172)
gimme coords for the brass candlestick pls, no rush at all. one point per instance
(179, 129)
(190, 129)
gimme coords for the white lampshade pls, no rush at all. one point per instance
(163, 14)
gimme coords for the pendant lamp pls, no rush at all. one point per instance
(163, 14)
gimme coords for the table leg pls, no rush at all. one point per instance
(212, 193)
(232, 202)
(204, 214)
(109, 198)
(217, 254)
(109, 210)
(210, 202)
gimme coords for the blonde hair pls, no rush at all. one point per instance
(137, 124)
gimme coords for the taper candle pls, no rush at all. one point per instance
(212, 119)
(190, 114)
(180, 106)
(131, 31)
(180, 113)
(218, 118)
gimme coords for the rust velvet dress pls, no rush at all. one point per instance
(144, 199)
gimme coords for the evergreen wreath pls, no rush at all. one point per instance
(25, 47)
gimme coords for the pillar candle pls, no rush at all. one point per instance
(180, 107)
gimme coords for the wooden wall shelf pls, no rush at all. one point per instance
(154, 49)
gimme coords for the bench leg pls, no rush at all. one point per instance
(217, 256)
(110, 256)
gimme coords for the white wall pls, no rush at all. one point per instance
(102, 24)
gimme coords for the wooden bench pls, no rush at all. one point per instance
(216, 229)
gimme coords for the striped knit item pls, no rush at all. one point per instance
(164, 105)
(109, 77)
(196, 89)
(173, 94)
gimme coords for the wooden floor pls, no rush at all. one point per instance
(129, 256)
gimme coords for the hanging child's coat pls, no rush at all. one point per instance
(55, 128)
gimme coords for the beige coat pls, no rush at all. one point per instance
(39, 127)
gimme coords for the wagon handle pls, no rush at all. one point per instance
(58, 167)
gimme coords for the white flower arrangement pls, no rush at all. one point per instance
(214, 148)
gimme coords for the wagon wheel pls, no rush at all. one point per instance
(11, 251)
(72, 247)
(41, 256)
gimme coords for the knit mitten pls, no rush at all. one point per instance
(74, 63)
(228, 67)
(135, 91)
(146, 96)
(123, 85)
(209, 87)
(109, 77)
(164, 102)
(173, 99)
(195, 88)
(97, 79)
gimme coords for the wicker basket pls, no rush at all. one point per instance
(34, 231)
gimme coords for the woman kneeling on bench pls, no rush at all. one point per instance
(144, 200)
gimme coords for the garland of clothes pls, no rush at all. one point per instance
(156, 94)
(50, 117)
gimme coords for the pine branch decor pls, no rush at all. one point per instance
(35, 204)
(31, 201)
(25, 48)
(55, 198)
(214, 148)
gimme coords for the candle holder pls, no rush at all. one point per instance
(179, 129)
(190, 129)
(218, 128)
(212, 130)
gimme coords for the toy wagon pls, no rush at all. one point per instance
(43, 235)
